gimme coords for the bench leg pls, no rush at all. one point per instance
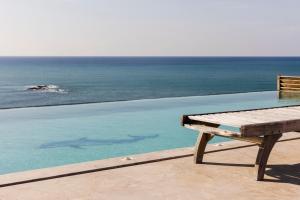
(200, 145)
(264, 151)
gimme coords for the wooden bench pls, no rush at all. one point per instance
(259, 126)
(288, 83)
(288, 87)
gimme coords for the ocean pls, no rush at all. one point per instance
(76, 80)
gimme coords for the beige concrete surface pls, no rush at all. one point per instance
(227, 174)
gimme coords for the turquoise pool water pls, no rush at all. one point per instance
(39, 137)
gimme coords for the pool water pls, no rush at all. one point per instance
(40, 137)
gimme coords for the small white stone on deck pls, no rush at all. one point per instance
(219, 145)
(127, 158)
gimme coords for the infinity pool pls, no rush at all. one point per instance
(39, 137)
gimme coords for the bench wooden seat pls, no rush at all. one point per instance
(260, 126)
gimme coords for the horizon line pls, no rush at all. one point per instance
(150, 56)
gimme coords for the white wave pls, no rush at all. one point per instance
(53, 86)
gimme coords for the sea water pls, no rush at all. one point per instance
(101, 79)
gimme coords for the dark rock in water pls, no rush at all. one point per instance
(45, 88)
(38, 87)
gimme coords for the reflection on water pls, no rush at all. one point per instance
(78, 143)
(289, 95)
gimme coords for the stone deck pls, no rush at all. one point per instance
(228, 173)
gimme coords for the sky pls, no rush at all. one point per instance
(149, 28)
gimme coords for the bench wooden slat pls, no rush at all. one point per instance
(212, 130)
(289, 81)
(290, 85)
(290, 88)
(241, 117)
(290, 78)
(282, 77)
(218, 120)
(258, 117)
(276, 115)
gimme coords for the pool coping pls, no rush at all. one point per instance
(43, 174)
